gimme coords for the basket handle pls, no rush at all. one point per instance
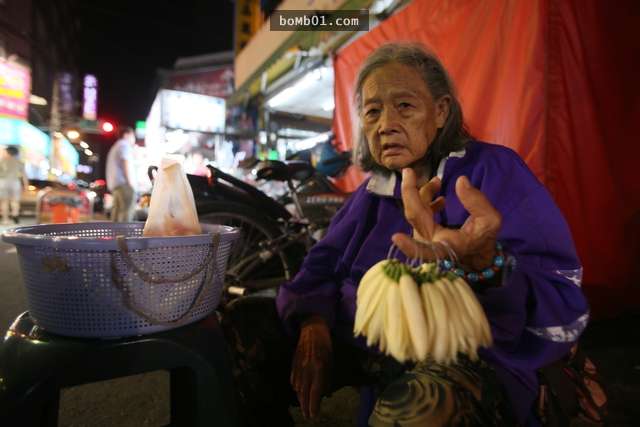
(130, 303)
(159, 280)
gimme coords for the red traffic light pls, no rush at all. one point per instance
(107, 127)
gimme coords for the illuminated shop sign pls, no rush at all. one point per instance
(192, 112)
(15, 88)
(90, 98)
(65, 83)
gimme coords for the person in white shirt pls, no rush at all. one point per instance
(121, 176)
(12, 178)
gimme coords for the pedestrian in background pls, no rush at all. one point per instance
(12, 179)
(121, 176)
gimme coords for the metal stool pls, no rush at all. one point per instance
(36, 365)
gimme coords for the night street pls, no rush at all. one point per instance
(334, 213)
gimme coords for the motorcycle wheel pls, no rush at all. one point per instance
(250, 268)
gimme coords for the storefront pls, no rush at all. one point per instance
(189, 112)
(64, 159)
(34, 145)
(289, 76)
(299, 110)
(189, 124)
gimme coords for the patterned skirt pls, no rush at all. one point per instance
(465, 393)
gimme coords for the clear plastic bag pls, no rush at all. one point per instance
(172, 211)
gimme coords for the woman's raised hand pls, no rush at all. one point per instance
(474, 243)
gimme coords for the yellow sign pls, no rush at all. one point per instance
(248, 20)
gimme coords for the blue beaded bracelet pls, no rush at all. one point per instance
(472, 276)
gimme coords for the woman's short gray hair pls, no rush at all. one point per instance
(450, 137)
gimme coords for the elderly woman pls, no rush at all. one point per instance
(431, 182)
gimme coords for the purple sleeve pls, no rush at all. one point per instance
(539, 311)
(316, 287)
(541, 299)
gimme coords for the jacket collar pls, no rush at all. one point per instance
(443, 162)
(384, 185)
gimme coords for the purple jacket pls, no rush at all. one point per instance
(537, 313)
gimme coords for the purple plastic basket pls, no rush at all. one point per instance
(105, 280)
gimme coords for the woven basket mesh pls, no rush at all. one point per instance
(80, 283)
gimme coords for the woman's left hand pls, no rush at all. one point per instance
(311, 364)
(474, 243)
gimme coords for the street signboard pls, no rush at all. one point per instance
(15, 88)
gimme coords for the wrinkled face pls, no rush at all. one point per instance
(399, 116)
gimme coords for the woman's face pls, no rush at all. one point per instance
(399, 116)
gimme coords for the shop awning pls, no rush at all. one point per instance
(265, 57)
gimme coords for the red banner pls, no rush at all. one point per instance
(554, 80)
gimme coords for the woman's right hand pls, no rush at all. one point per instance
(311, 364)
(474, 243)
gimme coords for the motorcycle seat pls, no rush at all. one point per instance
(275, 170)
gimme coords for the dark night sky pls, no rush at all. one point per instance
(123, 42)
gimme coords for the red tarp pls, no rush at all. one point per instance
(556, 80)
